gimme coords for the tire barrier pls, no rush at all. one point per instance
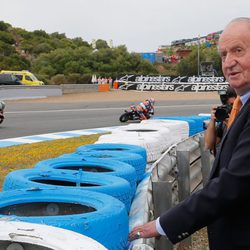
(92, 214)
(144, 129)
(22, 235)
(162, 134)
(35, 178)
(151, 144)
(97, 167)
(179, 129)
(195, 125)
(135, 160)
(114, 147)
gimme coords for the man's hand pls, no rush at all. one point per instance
(213, 110)
(147, 230)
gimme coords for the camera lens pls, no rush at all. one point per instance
(221, 113)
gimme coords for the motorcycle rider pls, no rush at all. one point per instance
(141, 111)
(150, 105)
(2, 106)
(145, 108)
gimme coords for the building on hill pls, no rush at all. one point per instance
(183, 53)
(180, 49)
(149, 56)
(210, 39)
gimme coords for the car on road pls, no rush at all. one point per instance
(24, 76)
(9, 79)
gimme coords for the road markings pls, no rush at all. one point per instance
(100, 109)
(52, 136)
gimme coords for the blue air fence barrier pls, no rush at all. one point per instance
(37, 178)
(195, 124)
(135, 160)
(200, 121)
(128, 148)
(191, 122)
(93, 214)
(99, 167)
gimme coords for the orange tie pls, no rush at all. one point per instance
(235, 109)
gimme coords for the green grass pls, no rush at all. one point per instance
(27, 155)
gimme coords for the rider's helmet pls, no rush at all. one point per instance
(152, 100)
(133, 107)
(146, 102)
(2, 105)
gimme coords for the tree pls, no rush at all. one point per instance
(42, 48)
(4, 26)
(101, 44)
(78, 42)
(26, 46)
(40, 33)
(53, 54)
(211, 55)
(189, 65)
(6, 49)
(58, 35)
(13, 62)
(47, 70)
(7, 37)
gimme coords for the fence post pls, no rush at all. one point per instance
(205, 161)
(162, 198)
(184, 182)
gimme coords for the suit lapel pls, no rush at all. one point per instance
(216, 161)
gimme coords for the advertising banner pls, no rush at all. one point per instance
(170, 83)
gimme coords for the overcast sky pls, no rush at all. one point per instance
(141, 25)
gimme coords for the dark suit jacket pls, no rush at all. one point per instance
(224, 203)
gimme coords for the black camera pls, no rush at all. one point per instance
(226, 94)
(222, 112)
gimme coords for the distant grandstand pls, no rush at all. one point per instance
(180, 49)
(210, 39)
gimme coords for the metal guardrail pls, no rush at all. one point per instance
(181, 170)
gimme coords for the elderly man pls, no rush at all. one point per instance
(223, 204)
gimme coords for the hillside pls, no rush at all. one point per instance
(55, 58)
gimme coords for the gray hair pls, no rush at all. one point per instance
(245, 20)
(240, 19)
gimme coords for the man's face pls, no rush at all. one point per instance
(234, 49)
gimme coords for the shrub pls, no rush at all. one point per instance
(58, 79)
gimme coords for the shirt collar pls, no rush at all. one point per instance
(244, 98)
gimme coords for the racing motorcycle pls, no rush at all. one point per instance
(2, 106)
(132, 114)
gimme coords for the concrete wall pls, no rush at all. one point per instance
(79, 88)
(26, 92)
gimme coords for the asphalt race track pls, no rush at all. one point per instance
(24, 119)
